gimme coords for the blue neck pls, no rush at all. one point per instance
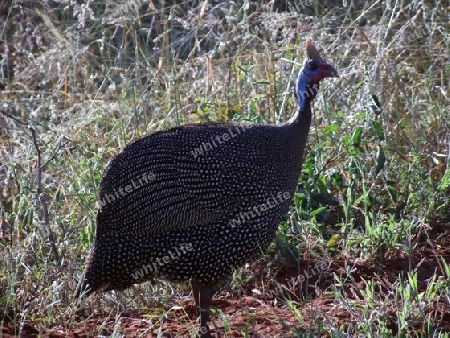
(304, 95)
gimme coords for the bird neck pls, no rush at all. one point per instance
(296, 129)
(305, 93)
(300, 123)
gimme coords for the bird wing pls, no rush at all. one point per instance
(179, 178)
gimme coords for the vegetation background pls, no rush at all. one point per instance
(365, 249)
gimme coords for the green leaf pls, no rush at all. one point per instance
(318, 211)
(332, 244)
(356, 137)
(413, 280)
(337, 180)
(359, 85)
(393, 193)
(330, 129)
(446, 267)
(244, 70)
(378, 130)
(251, 107)
(346, 141)
(361, 198)
(445, 181)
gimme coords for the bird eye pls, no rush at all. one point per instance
(313, 66)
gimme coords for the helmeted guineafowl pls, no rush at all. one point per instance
(197, 201)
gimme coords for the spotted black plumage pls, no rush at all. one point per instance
(197, 201)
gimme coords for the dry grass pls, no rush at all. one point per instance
(89, 78)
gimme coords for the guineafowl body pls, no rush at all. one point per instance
(197, 201)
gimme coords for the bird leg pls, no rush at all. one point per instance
(203, 295)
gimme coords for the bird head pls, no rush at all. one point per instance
(314, 70)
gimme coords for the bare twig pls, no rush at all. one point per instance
(12, 117)
(41, 197)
